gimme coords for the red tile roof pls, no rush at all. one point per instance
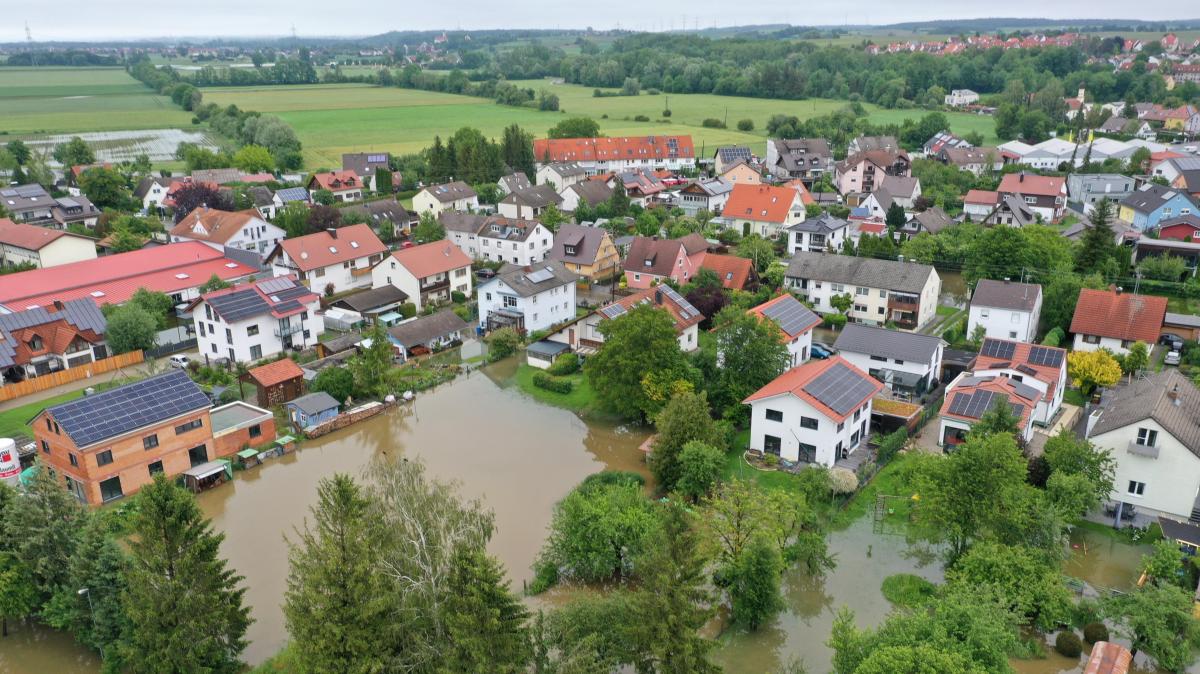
(210, 224)
(785, 297)
(794, 380)
(981, 197)
(761, 203)
(336, 181)
(271, 374)
(1047, 374)
(257, 178)
(321, 249)
(167, 269)
(805, 197)
(30, 237)
(661, 253)
(1028, 183)
(733, 271)
(1122, 316)
(664, 301)
(614, 149)
(1002, 385)
(436, 257)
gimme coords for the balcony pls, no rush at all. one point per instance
(1142, 450)
(288, 329)
(434, 286)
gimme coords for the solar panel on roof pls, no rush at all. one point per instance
(274, 285)
(980, 402)
(958, 404)
(239, 305)
(540, 275)
(105, 415)
(995, 348)
(613, 310)
(1041, 355)
(790, 314)
(839, 388)
(1025, 391)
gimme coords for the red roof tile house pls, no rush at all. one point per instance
(969, 397)
(978, 204)
(652, 260)
(428, 273)
(583, 334)
(1113, 319)
(736, 273)
(1041, 367)
(246, 230)
(1044, 195)
(332, 261)
(763, 209)
(48, 339)
(345, 185)
(597, 155)
(819, 412)
(41, 246)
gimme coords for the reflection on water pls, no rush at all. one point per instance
(33, 649)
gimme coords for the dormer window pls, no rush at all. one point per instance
(35, 343)
(648, 263)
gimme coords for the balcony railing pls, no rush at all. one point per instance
(435, 285)
(288, 330)
(1143, 450)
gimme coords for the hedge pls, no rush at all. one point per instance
(567, 363)
(551, 383)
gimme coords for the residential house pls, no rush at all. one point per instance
(584, 336)
(1013, 211)
(428, 334)
(491, 237)
(979, 204)
(513, 182)
(42, 340)
(277, 382)
(219, 229)
(806, 159)
(561, 175)
(906, 363)
(1189, 252)
(383, 213)
(1151, 429)
(178, 270)
(364, 165)
(1152, 203)
(263, 199)
(641, 187)
(527, 298)
(1005, 310)
(652, 260)
(1043, 368)
(1118, 125)
(380, 303)
(332, 261)
(76, 210)
(943, 140)
(290, 195)
(27, 203)
(345, 185)
(41, 246)
(977, 160)
(1044, 195)
(588, 252)
(1113, 319)
(455, 196)
(741, 172)
(958, 98)
(428, 273)
(1187, 175)
(623, 153)
(795, 321)
(929, 221)
(706, 194)
(529, 203)
(313, 409)
(864, 171)
(1181, 228)
(903, 293)
(735, 273)
(1086, 189)
(818, 413)
(823, 233)
(1123, 232)
(103, 452)
(151, 191)
(590, 193)
(251, 321)
(872, 144)
(969, 397)
(728, 155)
(763, 209)
(217, 176)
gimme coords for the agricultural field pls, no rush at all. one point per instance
(40, 101)
(334, 118)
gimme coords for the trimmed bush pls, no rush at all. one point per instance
(1054, 337)
(890, 444)
(408, 310)
(567, 363)
(712, 123)
(745, 125)
(641, 118)
(1093, 632)
(458, 297)
(1068, 644)
(552, 383)
(905, 589)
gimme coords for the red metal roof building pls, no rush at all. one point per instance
(178, 269)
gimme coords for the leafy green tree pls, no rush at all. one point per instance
(96, 616)
(254, 159)
(700, 466)
(999, 418)
(894, 218)
(597, 533)
(130, 328)
(1165, 564)
(752, 353)
(184, 606)
(41, 530)
(575, 127)
(428, 229)
(1137, 359)
(1023, 580)
(741, 510)
(336, 603)
(1089, 369)
(516, 150)
(758, 249)
(337, 381)
(685, 419)
(1164, 268)
(371, 365)
(214, 282)
(503, 343)
(486, 625)
(19, 150)
(920, 658)
(1060, 293)
(123, 240)
(551, 217)
(753, 583)
(842, 302)
(1158, 620)
(74, 152)
(293, 219)
(155, 303)
(640, 346)
(383, 181)
(106, 188)
(618, 203)
(1098, 247)
(18, 594)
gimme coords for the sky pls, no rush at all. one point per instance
(108, 19)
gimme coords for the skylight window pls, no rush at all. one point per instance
(181, 276)
(97, 293)
(333, 250)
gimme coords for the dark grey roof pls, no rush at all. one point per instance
(144, 185)
(791, 315)
(82, 313)
(841, 388)
(427, 328)
(547, 348)
(567, 169)
(1006, 295)
(873, 341)
(314, 403)
(363, 164)
(584, 240)
(117, 411)
(909, 277)
(733, 153)
(262, 195)
(458, 221)
(933, 220)
(903, 186)
(529, 281)
(368, 300)
(25, 196)
(450, 191)
(1022, 214)
(592, 192)
(290, 194)
(1150, 398)
(381, 210)
(711, 187)
(515, 181)
(1187, 320)
(794, 153)
(822, 224)
(1151, 197)
(534, 197)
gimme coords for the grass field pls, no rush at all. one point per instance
(36, 101)
(331, 119)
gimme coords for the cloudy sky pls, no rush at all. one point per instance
(92, 19)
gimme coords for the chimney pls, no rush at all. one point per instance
(1173, 394)
(58, 305)
(332, 231)
(1021, 177)
(658, 296)
(1119, 289)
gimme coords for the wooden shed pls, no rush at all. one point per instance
(278, 382)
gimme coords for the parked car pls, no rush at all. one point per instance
(821, 352)
(1172, 358)
(1173, 341)
(485, 273)
(179, 361)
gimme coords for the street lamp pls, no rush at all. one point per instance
(92, 611)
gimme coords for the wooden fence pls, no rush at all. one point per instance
(24, 388)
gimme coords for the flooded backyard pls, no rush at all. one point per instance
(521, 457)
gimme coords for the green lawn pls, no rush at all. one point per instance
(581, 399)
(943, 310)
(14, 421)
(1074, 396)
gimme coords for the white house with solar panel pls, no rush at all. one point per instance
(528, 299)
(818, 413)
(906, 362)
(795, 321)
(584, 336)
(248, 322)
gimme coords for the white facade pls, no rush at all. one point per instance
(1165, 484)
(960, 97)
(873, 365)
(588, 328)
(817, 242)
(435, 288)
(63, 250)
(340, 275)
(154, 196)
(1096, 342)
(255, 338)
(790, 427)
(870, 304)
(534, 248)
(799, 348)
(425, 202)
(541, 311)
(548, 174)
(1015, 324)
(256, 234)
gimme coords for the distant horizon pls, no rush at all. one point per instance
(76, 21)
